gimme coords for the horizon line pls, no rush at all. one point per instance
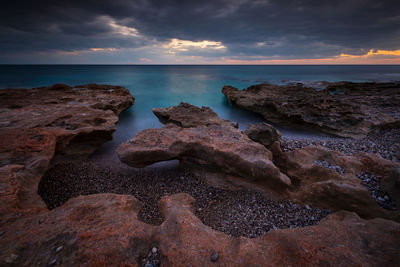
(162, 64)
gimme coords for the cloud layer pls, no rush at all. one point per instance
(200, 32)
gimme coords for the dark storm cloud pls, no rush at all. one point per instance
(248, 29)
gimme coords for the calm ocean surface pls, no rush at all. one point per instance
(162, 85)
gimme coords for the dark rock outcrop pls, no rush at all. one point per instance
(186, 115)
(263, 133)
(342, 109)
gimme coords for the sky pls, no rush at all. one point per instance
(200, 32)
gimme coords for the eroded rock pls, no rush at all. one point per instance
(104, 230)
(312, 175)
(263, 133)
(206, 145)
(335, 184)
(40, 125)
(217, 148)
(342, 109)
(186, 115)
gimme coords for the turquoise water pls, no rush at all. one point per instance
(162, 86)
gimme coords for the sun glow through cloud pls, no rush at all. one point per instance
(121, 29)
(372, 57)
(97, 49)
(185, 45)
(373, 53)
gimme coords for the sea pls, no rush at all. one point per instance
(167, 85)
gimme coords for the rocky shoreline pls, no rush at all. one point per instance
(342, 109)
(237, 198)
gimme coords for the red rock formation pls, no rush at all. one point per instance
(211, 146)
(335, 186)
(217, 148)
(343, 109)
(103, 230)
(222, 154)
(39, 124)
(186, 115)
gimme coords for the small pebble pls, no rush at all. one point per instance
(11, 258)
(58, 249)
(214, 257)
(54, 261)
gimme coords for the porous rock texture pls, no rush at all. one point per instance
(186, 115)
(343, 109)
(81, 117)
(335, 185)
(103, 230)
(213, 145)
(302, 175)
(42, 125)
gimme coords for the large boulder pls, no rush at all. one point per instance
(215, 148)
(104, 229)
(206, 145)
(342, 109)
(263, 133)
(186, 115)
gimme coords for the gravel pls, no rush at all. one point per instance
(372, 183)
(152, 259)
(386, 144)
(237, 213)
(328, 165)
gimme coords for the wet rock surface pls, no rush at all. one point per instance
(342, 109)
(237, 213)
